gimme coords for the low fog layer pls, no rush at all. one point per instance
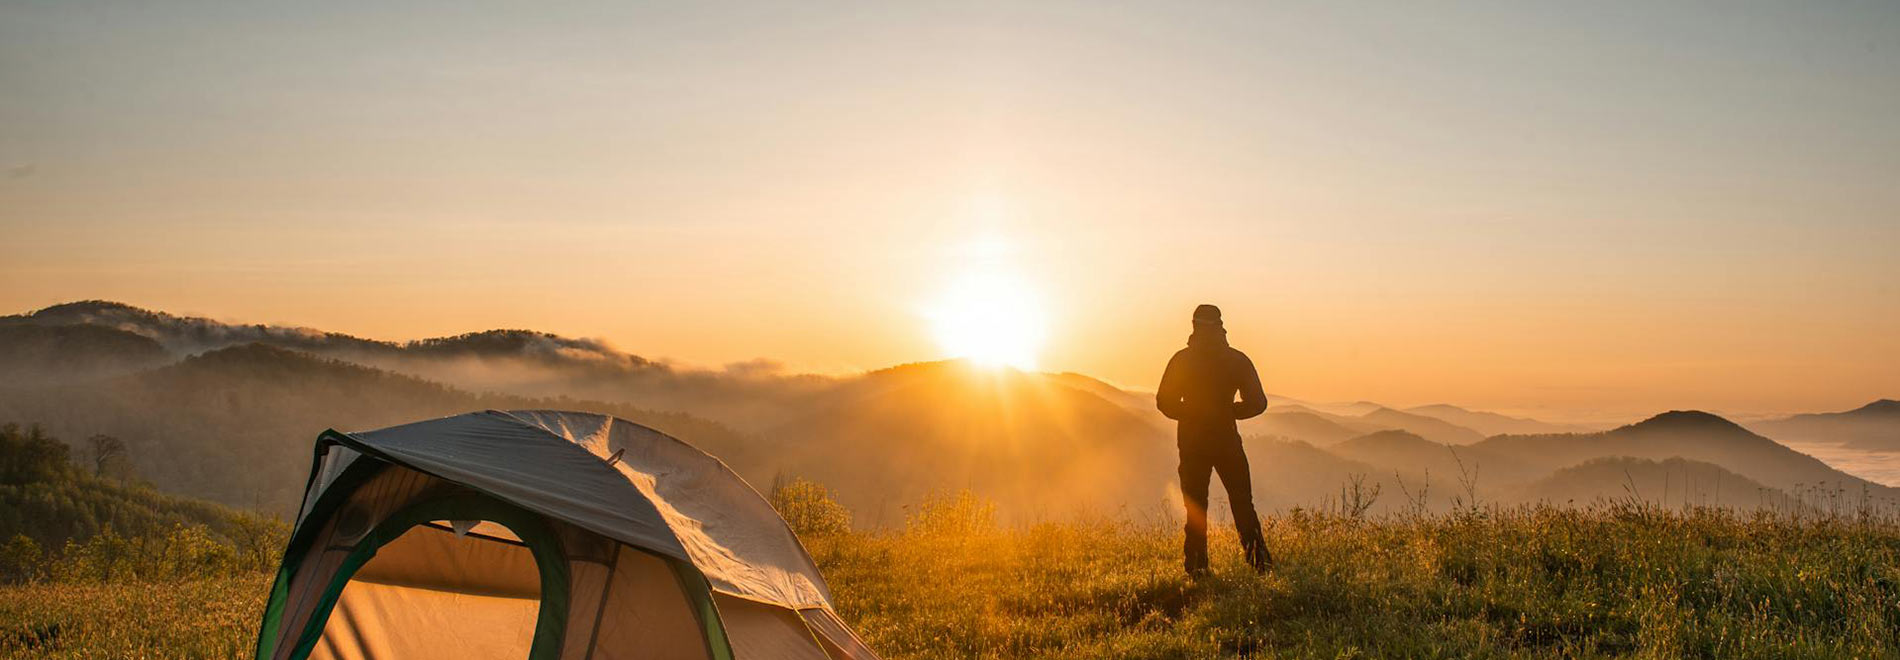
(229, 412)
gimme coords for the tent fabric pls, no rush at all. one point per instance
(497, 454)
(646, 615)
(433, 558)
(758, 631)
(729, 531)
(331, 462)
(543, 533)
(390, 523)
(661, 494)
(377, 620)
(839, 641)
(324, 550)
(432, 568)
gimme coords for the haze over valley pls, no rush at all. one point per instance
(228, 411)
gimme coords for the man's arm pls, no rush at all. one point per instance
(1168, 395)
(1253, 398)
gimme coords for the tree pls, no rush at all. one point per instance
(21, 559)
(107, 453)
(30, 456)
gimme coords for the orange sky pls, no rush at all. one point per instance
(1595, 213)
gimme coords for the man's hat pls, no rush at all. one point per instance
(1207, 315)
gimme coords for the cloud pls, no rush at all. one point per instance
(755, 368)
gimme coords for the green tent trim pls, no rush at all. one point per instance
(465, 505)
(551, 622)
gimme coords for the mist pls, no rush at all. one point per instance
(228, 412)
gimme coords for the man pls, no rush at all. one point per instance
(1198, 391)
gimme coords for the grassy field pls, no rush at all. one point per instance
(1491, 584)
(1622, 582)
(201, 618)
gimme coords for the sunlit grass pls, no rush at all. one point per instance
(205, 618)
(1535, 582)
(1608, 582)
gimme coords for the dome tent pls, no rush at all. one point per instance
(543, 535)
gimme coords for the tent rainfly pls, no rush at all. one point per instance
(542, 535)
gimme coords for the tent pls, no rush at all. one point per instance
(543, 535)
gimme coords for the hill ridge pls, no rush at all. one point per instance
(1686, 420)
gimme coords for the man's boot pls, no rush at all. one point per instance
(1254, 545)
(1195, 556)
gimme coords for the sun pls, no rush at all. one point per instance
(990, 317)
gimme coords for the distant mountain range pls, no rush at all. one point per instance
(522, 362)
(1875, 426)
(1489, 423)
(44, 353)
(1692, 435)
(1675, 458)
(236, 424)
(1299, 421)
(1036, 443)
(228, 412)
(1669, 481)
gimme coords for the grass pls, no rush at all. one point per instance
(200, 618)
(1627, 582)
(1609, 582)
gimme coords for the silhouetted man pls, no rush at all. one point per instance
(1198, 391)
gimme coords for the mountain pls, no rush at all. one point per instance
(1262, 425)
(1402, 453)
(46, 497)
(235, 425)
(1032, 442)
(71, 353)
(1360, 408)
(1672, 482)
(182, 335)
(1430, 428)
(1301, 425)
(188, 335)
(519, 362)
(1324, 424)
(1338, 409)
(1421, 461)
(1140, 403)
(1700, 456)
(1288, 473)
(1490, 423)
(208, 414)
(1692, 435)
(1875, 426)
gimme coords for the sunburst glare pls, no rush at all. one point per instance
(988, 313)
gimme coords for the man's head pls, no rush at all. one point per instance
(1207, 316)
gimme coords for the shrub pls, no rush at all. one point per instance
(21, 559)
(191, 552)
(961, 514)
(809, 508)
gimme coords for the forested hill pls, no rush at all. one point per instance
(50, 498)
(206, 413)
(236, 425)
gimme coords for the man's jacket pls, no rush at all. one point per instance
(1199, 386)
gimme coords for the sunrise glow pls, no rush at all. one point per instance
(988, 313)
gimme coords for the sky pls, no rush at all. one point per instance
(1568, 209)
